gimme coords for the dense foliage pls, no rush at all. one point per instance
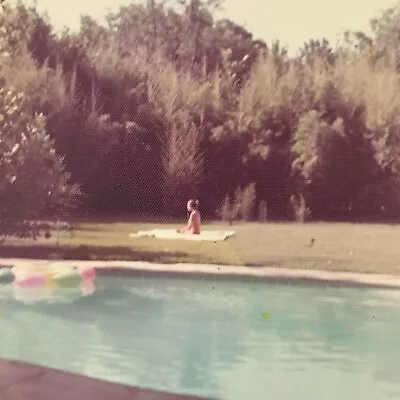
(163, 104)
(33, 184)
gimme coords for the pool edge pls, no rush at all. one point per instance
(199, 271)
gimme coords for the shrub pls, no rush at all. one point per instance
(241, 206)
(248, 199)
(33, 182)
(262, 211)
(300, 209)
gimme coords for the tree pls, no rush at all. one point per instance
(22, 27)
(320, 158)
(317, 51)
(387, 35)
(165, 103)
(33, 183)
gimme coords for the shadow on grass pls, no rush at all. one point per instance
(297, 262)
(129, 218)
(264, 264)
(145, 218)
(117, 253)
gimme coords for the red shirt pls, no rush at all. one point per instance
(194, 222)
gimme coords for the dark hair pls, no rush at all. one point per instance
(194, 204)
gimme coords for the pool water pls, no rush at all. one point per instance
(225, 340)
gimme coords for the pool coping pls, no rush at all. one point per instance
(275, 274)
(20, 380)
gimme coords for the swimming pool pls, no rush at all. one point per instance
(227, 340)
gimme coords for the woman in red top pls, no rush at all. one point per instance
(194, 221)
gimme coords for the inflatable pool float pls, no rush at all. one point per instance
(67, 279)
(31, 281)
(31, 295)
(48, 275)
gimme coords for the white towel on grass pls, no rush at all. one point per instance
(212, 236)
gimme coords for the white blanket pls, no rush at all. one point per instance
(213, 236)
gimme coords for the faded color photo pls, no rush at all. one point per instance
(199, 199)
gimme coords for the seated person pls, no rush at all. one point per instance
(194, 221)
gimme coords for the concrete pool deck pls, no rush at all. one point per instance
(22, 381)
(222, 271)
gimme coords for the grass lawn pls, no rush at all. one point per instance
(338, 247)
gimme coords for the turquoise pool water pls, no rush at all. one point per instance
(212, 339)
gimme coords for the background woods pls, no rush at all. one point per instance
(162, 104)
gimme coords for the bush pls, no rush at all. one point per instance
(241, 206)
(224, 212)
(228, 211)
(300, 210)
(262, 211)
(248, 200)
(33, 183)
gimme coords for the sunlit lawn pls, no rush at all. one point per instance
(340, 247)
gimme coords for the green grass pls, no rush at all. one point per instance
(338, 247)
